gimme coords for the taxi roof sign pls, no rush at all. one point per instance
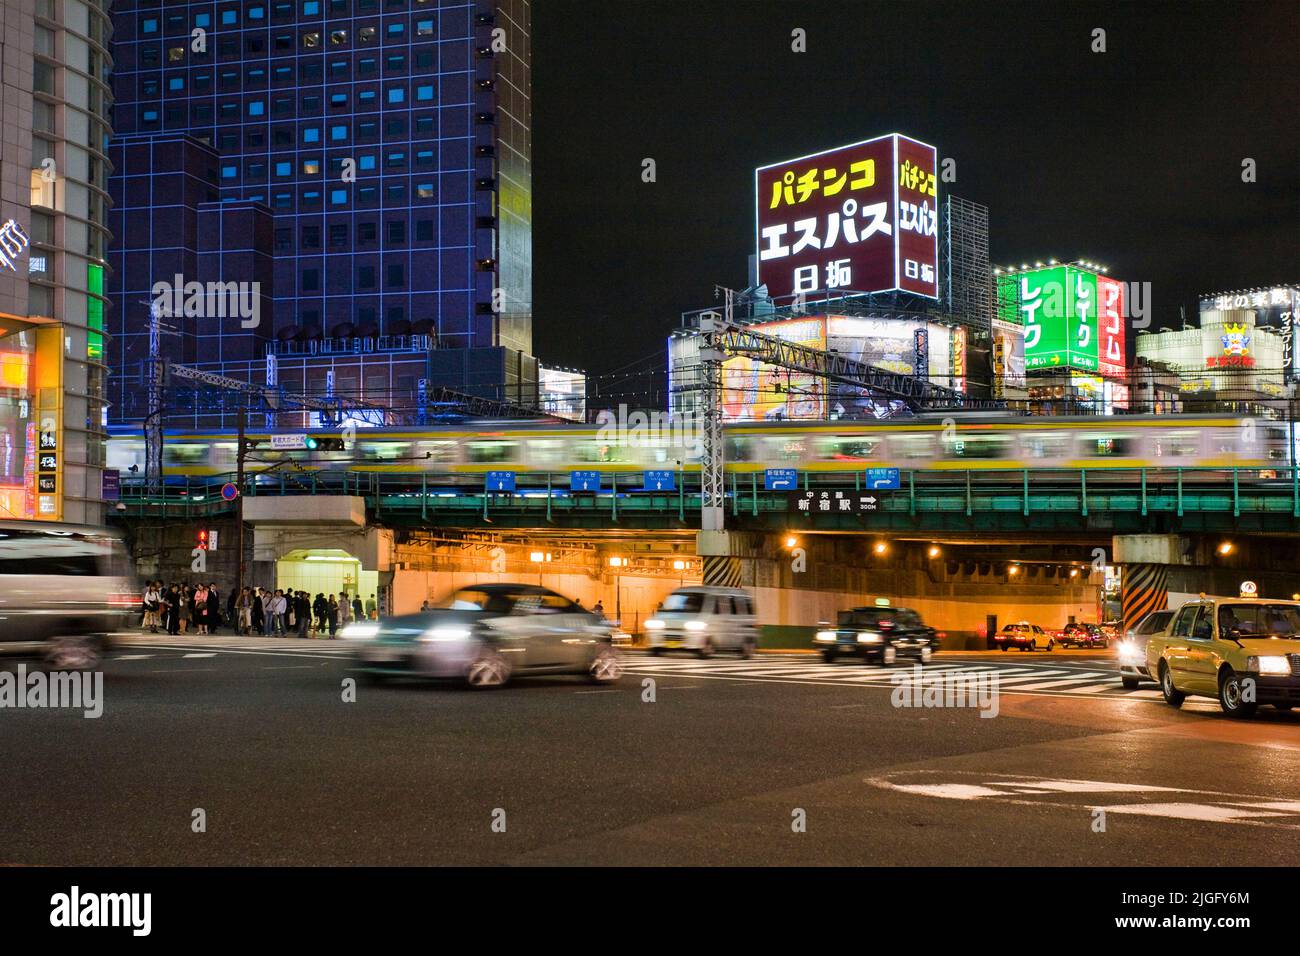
(1249, 589)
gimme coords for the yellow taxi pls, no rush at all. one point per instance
(1244, 651)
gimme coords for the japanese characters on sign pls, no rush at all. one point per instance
(861, 218)
(832, 501)
(1110, 322)
(1059, 309)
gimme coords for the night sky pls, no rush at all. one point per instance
(1131, 158)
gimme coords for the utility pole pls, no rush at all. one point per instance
(240, 455)
(153, 440)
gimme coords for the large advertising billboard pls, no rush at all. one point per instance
(858, 218)
(755, 391)
(1277, 308)
(1059, 309)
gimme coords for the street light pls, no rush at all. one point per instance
(791, 541)
(934, 551)
(1225, 548)
(880, 547)
(1013, 570)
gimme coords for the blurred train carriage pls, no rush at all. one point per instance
(450, 454)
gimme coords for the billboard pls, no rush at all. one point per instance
(755, 391)
(1277, 308)
(858, 218)
(1059, 309)
(1110, 320)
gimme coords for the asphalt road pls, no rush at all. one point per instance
(718, 769)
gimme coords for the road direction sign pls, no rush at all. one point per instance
(499, 481)
(780, 479)
(882, 478)
(281, 442)
(828, 501)
(659, 481)
(584, 481)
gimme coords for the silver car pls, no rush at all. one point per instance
(487, 634)
(64, 589)
(1132, 650)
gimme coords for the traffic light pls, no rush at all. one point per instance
(326, 444)
(203, 539)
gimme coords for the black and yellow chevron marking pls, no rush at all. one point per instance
(1146, 589)
(721, 571)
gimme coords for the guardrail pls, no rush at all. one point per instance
(1139, 499)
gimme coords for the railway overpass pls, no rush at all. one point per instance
(958, 545)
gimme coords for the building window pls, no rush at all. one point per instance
(150, 25)
(311, 134)
(311, 237)
(397, 232)
(256, 108)
(176, 54)
(424, 190)
(339, 234)
(310, 280)
(396, 95)
(229, 16)
(424, 93)
(366, 34)
(283, 169)
(367, 161)
(365, 277)
(311, 167)
(338, 37)
(424, 28)
(338, 134)
(338, 197)
(229, 172)
(311, 40)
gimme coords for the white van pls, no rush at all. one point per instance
(704, 619)
(63, 590)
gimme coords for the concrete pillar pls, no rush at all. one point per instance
(719, 567)
(1144, 561)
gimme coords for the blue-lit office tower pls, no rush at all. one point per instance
(369, 160)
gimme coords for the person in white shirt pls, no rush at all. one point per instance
(152, 602)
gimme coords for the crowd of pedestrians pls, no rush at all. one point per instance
(201, 609)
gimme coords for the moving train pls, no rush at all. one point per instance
(954, 442)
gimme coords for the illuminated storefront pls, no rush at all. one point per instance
(31, 419)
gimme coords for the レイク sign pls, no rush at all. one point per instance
(859, 218)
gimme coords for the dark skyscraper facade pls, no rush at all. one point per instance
(369, 160)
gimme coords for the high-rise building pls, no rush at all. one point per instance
(366, 162)
(54, 130)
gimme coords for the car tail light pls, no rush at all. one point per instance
(124, 600)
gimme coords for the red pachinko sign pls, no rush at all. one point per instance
(860, 218)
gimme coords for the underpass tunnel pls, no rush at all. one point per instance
(325, 571)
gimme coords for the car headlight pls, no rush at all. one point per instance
(824, 637)
(1130, 653)
(868, 637)
(445, 634)
(1268, 665)
(696, 625)
(359, 632)
(654, 624)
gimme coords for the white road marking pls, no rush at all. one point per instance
(198, 655)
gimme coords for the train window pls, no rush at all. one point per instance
(847, 448)
(740, 448)
(184, 454)
(1105, 446)
(1179, 444)
(492, 452)
(1224, 441)
(436, 450)
(598, 451)
(911, 446)
(383, 450)
(979, 446)
(545, 451)
(1045, 445)
(785, 448)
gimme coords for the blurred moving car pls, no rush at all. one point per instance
(64, 589)
(1132, 648)
(1242, 651)
(487, 634)
(881, 634)
(704, 619)
(1083, 635)
(1026, 636)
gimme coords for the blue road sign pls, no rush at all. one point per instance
(499, 481)
(780, 479)
(230, 491)
(882, 478)
(659, 481)
(584, 481)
